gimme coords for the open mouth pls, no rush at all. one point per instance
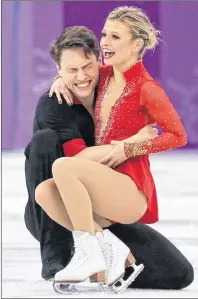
(83, 85)
(108, 53)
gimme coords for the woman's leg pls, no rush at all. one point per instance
(48, 197)
(87, 187)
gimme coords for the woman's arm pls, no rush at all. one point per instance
(164, 114)
(95, 153)
(78, 148)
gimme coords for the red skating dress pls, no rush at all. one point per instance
(142, 101)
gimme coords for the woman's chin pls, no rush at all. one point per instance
(108, 61)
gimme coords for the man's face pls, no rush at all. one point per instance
(80, 73)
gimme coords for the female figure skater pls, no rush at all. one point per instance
(128, 99)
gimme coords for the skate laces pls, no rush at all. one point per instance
(82, 250)
(107, 250)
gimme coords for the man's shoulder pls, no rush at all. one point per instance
(47, 102)
(45, 98)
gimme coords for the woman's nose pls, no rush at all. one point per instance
(105, 41)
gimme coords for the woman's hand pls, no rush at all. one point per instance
(144, 134)
(117, 155)
(59, 88)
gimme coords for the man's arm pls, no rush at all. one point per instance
(63, 120)
(60, 118)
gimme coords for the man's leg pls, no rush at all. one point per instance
(56, 243)
(165, 266)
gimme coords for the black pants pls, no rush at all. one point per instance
(40, 153)
(165, 266)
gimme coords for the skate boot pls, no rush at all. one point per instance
(117, 257)
(87, 263)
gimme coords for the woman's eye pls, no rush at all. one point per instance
(103, 34)
(115, 36)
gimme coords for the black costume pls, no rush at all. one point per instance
(55, 124)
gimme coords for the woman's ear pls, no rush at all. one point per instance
(137, 46)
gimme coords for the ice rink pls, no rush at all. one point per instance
(176, 176)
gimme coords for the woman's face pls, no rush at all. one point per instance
(116, 43)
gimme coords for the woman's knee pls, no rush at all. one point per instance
(40, 193)
(63, 164)
(58, 165)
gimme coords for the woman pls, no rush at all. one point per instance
(128, 99)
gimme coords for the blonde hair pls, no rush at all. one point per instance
(141, 26)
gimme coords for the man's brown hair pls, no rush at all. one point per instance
(75, 37)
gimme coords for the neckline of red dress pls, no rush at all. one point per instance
(132, 71)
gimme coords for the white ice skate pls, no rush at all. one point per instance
(87, 263)
(117, 257)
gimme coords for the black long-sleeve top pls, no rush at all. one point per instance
(69, 122)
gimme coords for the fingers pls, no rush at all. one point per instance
(104, 160)
(67, 96)
(154, 131)
(152, 125)
(111, 161)
(58, 87)
(115, 162)
(57, 92)
(51, 92)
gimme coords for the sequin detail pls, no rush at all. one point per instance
(132, 150)
(124, 103)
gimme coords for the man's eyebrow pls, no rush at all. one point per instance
(75, 68)
(71, 68)
(88, 64)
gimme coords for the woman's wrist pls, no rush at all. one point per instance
(132, 139)
(135, 149)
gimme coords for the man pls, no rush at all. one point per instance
(76, 55)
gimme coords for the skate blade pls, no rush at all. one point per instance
(63, 288)
(72, 288)
(120, 285)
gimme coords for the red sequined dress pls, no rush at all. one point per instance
(142, 101)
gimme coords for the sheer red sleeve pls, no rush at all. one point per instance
(164, 114)
(73, 147)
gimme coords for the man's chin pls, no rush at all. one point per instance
(83, 93)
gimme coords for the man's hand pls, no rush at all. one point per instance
(59, 88)
(117, 156)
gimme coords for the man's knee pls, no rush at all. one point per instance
(44, 142)
(186, 277)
